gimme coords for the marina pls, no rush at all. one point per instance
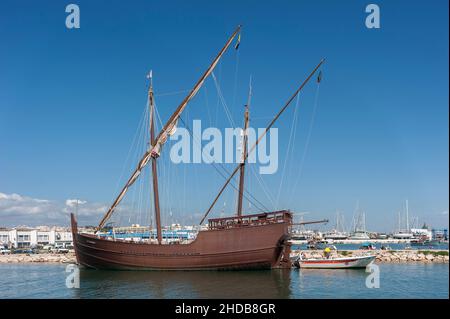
(191, 151)
(394, 244)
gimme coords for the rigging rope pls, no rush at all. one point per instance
(308, 138)
(140, 145)
(218, 99)
(222, 100)
(289, 146)
(264, 186)
(246, 192)
(171, 93)
(138, 130)
(236, 71)
(230, 119)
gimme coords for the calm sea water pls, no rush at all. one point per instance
(396, 281)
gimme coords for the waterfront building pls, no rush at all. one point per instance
(26, 237)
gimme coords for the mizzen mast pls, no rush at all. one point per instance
(244, 152)
(260, 138)
(151, 100)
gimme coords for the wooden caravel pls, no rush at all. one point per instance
(247, 242)
(240, 242)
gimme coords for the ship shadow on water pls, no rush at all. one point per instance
(184, 284)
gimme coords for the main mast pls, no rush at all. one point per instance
(244, 152)
(151, 99)
(161, 138)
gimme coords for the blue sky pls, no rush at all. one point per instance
(70, 101)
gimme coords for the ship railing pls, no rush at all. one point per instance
(250, 220)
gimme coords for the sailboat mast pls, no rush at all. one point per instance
(337, 221)
(154, 164)
(244, 152)
(407, 216)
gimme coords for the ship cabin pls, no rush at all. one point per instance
(250, 220)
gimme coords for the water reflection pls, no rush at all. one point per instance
(414, 280)
(329, 283)
(184, 284)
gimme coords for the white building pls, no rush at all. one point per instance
(32, 237)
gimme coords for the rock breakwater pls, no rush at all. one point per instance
(385, 256)
(38, 258)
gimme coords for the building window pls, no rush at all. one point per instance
(42, 238)
(24, 238)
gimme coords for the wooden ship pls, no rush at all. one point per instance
(252, 241)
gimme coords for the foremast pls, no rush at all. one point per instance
(151, 103)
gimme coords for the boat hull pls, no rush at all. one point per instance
(252, 247)
(338, 263)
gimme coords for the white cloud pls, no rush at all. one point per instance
(15, 197)
(17, 209)
(21, 205)
(73, 202)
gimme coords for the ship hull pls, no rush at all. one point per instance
(252, 247)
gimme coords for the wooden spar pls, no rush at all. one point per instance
(323, 221)
(244, 152)
(261, 136)
(194, 91)
(163, 133)
(154, 164)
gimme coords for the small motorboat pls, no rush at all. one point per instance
(335, 263)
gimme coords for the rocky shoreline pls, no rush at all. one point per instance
(383, 256)
(38, 258)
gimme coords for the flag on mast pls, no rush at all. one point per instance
(238, 42)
